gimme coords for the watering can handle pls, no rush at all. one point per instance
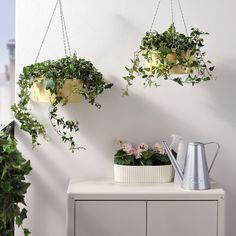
(216, 154)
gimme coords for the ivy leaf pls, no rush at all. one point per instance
(108, 86)
(26, 232)
(4, 171)
(211, 68)
(23, 214)
(49, 84)
(6, 186)
(19, 221)
(179, 81)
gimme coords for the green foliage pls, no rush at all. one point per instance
(148, 157)
(173, 43)
(13, 187)
(54, 74)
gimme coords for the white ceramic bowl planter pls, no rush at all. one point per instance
(142, 174)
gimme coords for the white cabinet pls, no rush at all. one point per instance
(171, 218)
(104, 208)
(111, 218)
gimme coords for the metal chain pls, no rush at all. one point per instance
(172, 11)
(183, 18)
(172, 21)
(64, 29)
(46, 32)
(155, 15)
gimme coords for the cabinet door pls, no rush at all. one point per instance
(182, 218)
(110, 218)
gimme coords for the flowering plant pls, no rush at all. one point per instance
(142, 154)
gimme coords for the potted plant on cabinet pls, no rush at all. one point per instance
(60, 82)
(168, 55)
(13, 187)
(141, 164)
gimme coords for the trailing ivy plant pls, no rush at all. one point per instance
(54, 74)
(13, 187)
(155, 49)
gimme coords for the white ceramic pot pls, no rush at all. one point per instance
(143, 174)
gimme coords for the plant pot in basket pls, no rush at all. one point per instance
(171, 59)
(70, 90)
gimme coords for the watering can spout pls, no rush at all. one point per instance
(173, 162)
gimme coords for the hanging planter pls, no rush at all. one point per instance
(70, 91)
(170, 55)
(55, 76)
(57, 82)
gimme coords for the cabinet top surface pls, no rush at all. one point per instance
(108, 189)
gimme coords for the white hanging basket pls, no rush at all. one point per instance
(142, 174)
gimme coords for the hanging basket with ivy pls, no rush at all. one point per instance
(58, 82)
(170, 55)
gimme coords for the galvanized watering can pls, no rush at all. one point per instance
(195, 175)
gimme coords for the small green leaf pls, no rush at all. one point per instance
(19, 221)
(49, 84)
(26, 232)
(211, 68)
(6, 186)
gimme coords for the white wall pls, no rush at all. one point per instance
(107, 32)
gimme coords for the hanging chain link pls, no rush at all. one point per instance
(155, 15)
(183, 18)
(172, 15)
(172, 21)
(64, 30)
(46, 32)
(172, 11)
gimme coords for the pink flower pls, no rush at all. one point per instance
(126, 147)
(143, 146)
(159, 148)
(130, 152)
(137, 152)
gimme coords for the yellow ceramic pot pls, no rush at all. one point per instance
(40, 94)
(171, 58)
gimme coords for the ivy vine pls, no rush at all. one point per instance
(54, 74)
(13, 187)
(155, 49)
